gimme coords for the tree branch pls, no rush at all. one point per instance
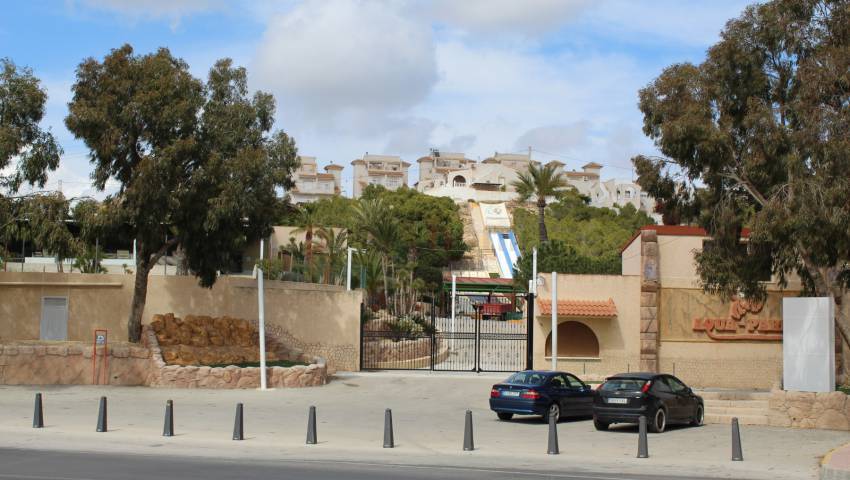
(164, 248)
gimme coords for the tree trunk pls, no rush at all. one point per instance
(308, 252)
(541, 219)
(140, 293)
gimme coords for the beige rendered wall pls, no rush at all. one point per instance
(318, 319)
(631, 258)
(619, 338)
(746, 365)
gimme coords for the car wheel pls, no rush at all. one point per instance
(659, 421)
(505, 416)
(553, 411)
(600, 425)
(698, 416)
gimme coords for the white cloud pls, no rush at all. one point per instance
(665, 21)
(411, 136)
(498, 17)
(346, 65)
(561, 139)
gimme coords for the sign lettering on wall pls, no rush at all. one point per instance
(691, 315)
(738, 325)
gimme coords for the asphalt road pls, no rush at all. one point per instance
(50, 465)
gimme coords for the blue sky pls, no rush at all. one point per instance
(395, 77)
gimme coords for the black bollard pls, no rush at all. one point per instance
(643, 448)
(238, 426)
(468, 443)
(168, 428)
(311, 426)
(38, 413)
(737, 452)
(389, 440)
(553, 436)
(101, 415)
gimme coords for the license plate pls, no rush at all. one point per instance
(509, 393)
(621, 401)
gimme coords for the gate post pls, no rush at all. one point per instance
(362, 340)
(478, 317)
(529, 332)
(434, 346)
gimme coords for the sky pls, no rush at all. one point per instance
(395, 77)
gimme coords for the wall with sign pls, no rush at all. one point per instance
(706, 341)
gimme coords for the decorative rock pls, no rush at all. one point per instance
(40, 350)
(61, 350)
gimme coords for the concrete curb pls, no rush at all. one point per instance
(836, 464)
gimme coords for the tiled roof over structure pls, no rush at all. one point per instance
(580, 308)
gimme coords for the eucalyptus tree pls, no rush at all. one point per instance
(540, 181)
(762, 128)
(195, 162)
(27, 152)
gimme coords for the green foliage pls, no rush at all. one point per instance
(556, 256)
(596, 234)
(763, 126)
(541, 182)
(88, 261)
(36, 152)
(195, 161)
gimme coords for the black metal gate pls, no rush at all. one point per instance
(481, 337)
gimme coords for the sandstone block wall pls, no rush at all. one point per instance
(828, 410)
(70, 363)
(193, 376)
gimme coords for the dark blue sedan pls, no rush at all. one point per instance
(545, 393)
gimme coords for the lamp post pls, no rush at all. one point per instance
(262, 314)
(554, 296)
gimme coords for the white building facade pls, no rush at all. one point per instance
(491, 180)
(312, 185)
(389, 171)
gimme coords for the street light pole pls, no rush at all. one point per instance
(348, 271)
(554, 296)
(534, 270)
(454, 292)
(262, 320)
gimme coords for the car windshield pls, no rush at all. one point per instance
(619, 384)
(526, 378)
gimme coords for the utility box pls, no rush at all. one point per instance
(808, 344)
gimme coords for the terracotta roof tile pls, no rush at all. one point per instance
(580, 308)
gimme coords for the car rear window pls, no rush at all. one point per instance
(526, 378)
(619, 384)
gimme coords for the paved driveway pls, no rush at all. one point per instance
(428, 412)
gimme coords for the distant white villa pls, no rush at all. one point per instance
(387, 170)
(453, 175)
(311, 185)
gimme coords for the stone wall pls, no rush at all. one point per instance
(830, 410)
(70, 363)
(319, 320)
(193, 376)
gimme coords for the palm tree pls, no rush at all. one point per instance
(370, 268)
(335, 245)
(307, 222)
(374, 218)
(541, 182)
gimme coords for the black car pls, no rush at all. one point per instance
(534, 392)
(663, 399)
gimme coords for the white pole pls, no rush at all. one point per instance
(534, 270)
(134, 253)
(348, 275)
(262, 310)
(554, 296)
(454, 292)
